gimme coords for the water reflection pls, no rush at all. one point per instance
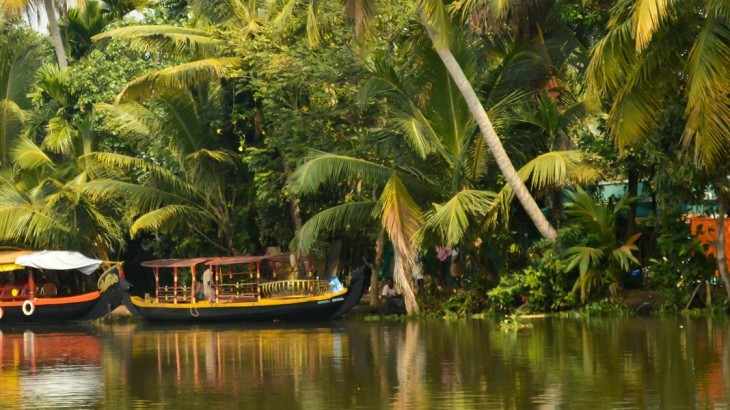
(600, 364)
(49, 368)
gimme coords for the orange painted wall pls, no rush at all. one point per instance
(706, 230)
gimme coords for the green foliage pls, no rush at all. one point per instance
(544, 286)
(599, 254)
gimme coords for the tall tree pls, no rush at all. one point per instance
(14, 8)
(658, 53)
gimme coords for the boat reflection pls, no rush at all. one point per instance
(50, 369)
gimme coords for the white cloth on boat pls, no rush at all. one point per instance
(59, 260)
(336, 284)
(207, 283)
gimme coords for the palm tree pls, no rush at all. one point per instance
(44, 204)
(78, 26)
(600, 257)
(18, 63)
(656, 54)
(183, 178)
(14, 8)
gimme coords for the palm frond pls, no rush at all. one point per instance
(647, 15)
(322, 167)
(350, 214)
(400, 216)
(451, 220)
(611, 62)
(12, 120)
(416, 130)
(27, 155)
(160, 174)
(140, 198)
(708, 93)
(130, 120)
(179, 77)
(313, 35)
(167, 217)
(221, 156)
(436, 16)
(174, 40)
(59, 138)
(183, 121)
(583, 257)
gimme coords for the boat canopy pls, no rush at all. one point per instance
(174, 263)
(234, 260)
(58, 260)
(7, 260)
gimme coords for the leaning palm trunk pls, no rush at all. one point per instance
(401, 275)
(720, 245)
(55, 33)
(492, 140)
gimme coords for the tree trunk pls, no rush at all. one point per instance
(492, 140)
(720, 244)
(633, 192)
(296, 215)
(402, 278)
(55, 33)
(379, 251)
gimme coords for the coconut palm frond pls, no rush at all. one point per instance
(24, 221)
(480, 156)
(184, 120)
(451, 220)
(551, 169)
(313, 35)
(635, 113)
(322, 167)
(612, 59)
(708, 93)
(18, 74)
(179, 77)
(221, 156)
(124, 162)
(175, 40)
(400, 216)
(130, 120)
(59, 138)
(417, 131)
(385, 82)
(435, 14)
(140, 198)
(27, 155)
(351, 214)
(168, 217)
(12, 120)
(284, 14)
(647, 15)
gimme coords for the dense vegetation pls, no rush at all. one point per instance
(187, 128)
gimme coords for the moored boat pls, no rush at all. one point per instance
(245, 289)
(49, 287)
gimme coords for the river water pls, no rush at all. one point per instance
(625, 363)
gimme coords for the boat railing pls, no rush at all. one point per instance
(294, 288)
(235, 292)
(168, 294)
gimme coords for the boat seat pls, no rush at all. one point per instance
(48, 289)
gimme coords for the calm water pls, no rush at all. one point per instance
(660, 363)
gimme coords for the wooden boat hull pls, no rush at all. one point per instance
(314, 308)
(53, 310)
